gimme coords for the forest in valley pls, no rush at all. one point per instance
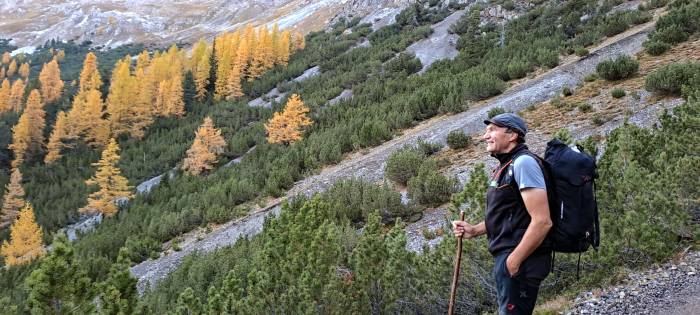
(81, 127)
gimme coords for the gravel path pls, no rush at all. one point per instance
(673, 288)
(370, 166)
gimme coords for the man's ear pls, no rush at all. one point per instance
(513, 136)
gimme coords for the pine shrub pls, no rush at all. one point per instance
(618, 93)
(566, 91)
(429, 187)
(429, 148)
(495, 111)
(403, 164)
(672, 34)
(656, 48)
(479, 85)
(669, 80)
(457, 139)
(621, 68)
(517, 69)
(581, 52)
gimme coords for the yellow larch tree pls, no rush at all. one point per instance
(86, 120)
(299, 42)
(16, 95)
(28, 133)
(275, 37)
(24, 71)
(161, 98)
(208, 144)
(199, 50)
(12, 69)
(5, 92)
(6, 58)
(225, 55)
(143, 61)
(199, 159)
(121, 98)
(201, 77)
(259, 57)
(2, 73)
(200, 66)
(60, 56)
(143, 104)
(266, 48)
(13, 200)
(233, 84)
(25, 240)
(56, 139)
(90, 78)
(112, 186)
(242, 58)
(51, 83)
(283, 48)
(287, 127)
(173, 101)
(250, 37)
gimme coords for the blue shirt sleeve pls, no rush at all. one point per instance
(528, 173)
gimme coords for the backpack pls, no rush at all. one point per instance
(572, 202)
(573, 208)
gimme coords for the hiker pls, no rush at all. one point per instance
(517, 216)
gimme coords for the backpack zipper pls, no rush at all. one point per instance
(562, 211)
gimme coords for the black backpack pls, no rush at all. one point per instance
(572, 202)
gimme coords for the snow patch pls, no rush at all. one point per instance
(28, 50)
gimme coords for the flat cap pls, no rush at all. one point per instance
(509, 120)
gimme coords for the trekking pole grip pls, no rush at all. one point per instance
(455, 275)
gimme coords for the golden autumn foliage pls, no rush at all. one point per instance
(90, 78)
(200, 65)
(12, 68)
(121, 98)
(25, 240)
(16, 96)
(287, 126)
(143, 60)
(28, 133)
(24, 71)
(112, 186)
(6, 58)
(282, 49)
(12, 200)
(51, 83)
(208, 144)
(248, 55)
(56, 140)
(129, 107)
(85, 119)
(5, 91)
(60, 55)
(2, 73)
(299, 42)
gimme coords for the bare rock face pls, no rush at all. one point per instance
(112, 23)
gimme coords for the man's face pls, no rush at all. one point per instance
(498, 139)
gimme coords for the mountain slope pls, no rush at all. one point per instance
(113, 23)
(370, 165)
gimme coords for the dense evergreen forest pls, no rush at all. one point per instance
(127, 114)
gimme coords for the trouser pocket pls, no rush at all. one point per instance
(517, 294)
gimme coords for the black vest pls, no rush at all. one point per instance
(507, 218)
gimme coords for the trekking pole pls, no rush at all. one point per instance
(455, 275)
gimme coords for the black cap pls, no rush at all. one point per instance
(509, 120)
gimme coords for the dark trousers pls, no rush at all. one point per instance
(518, 294)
